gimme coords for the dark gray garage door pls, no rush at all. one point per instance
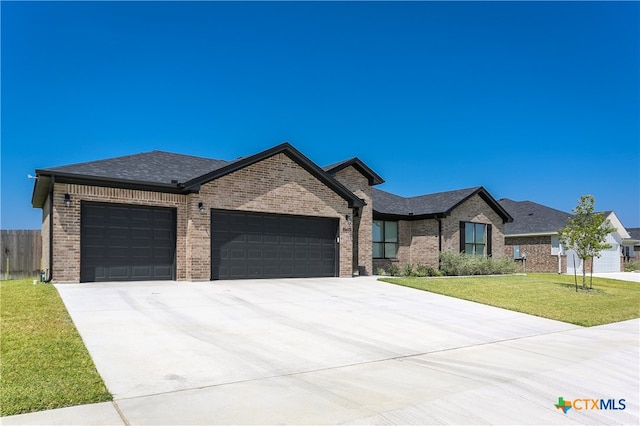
(122, 242)
(260, 245)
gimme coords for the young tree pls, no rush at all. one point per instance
(586, 232)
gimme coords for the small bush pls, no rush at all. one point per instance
(632, 266)
(408, 270)
(461, 264)
(421, 270)
(380, 271)
(393, 270)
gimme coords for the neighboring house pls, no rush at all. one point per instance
(631, 245)
(415, 230)
(611, 259)
(533, 236)
(164, 216)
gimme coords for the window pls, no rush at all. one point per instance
(555, 246)
(475, 239)
(385, 239)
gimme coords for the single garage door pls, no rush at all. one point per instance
(261, 245)
(122, 242)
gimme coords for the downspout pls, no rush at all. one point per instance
(439, 242)
(53, 181)
(560, 259)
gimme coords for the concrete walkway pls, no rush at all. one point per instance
(624, 276)
(338, 351)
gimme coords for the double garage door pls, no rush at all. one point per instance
(122, 242)
(262, 245)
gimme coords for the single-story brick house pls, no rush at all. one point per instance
(159, 215)
(533, 235)
(415, 230)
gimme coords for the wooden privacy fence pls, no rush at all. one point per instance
(21, 251)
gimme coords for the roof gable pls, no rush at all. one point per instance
(435, 205)
(531, 218)
(359, 165)
(295, 155)
(615, 222)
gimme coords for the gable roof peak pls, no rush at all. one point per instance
(359, 165)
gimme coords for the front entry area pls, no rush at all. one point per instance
(265, 245)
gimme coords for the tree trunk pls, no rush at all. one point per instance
(575, 274)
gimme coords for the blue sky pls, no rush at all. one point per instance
(534, 101)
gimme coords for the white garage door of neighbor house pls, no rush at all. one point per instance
(609, 261)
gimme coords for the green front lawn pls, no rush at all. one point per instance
(545, 295)
(43, 361)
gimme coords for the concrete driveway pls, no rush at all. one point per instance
(624, 276)
(334, 351)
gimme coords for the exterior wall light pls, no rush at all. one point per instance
(348, 217)
(201, 207)
(67, 200)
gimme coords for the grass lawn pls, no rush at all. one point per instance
(43, 361)
(544, 295)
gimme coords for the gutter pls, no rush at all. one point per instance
(532, 234)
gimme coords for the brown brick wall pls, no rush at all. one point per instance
(66, 223)
(538, 251)
(424, 246)
(275, 185)
(477, 210)
(363, 223)
(419, 238)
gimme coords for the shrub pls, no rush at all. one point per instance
(393, 270)
(380, 271)
(461, 264)
(408, 270)
(632, 266)
(421, 270)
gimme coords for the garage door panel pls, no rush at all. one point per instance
(126, 242)
(162, 234)
(262, 245)
(115, 252)
(141, 272)
(286, 254)
(254, 238)
(254, 254)
(141, 234)
(141, 252)
(286, 239)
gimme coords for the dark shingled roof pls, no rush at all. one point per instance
(431, 205)
(634, 232)
(169, 172)
(149, 167)
(532, 218)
